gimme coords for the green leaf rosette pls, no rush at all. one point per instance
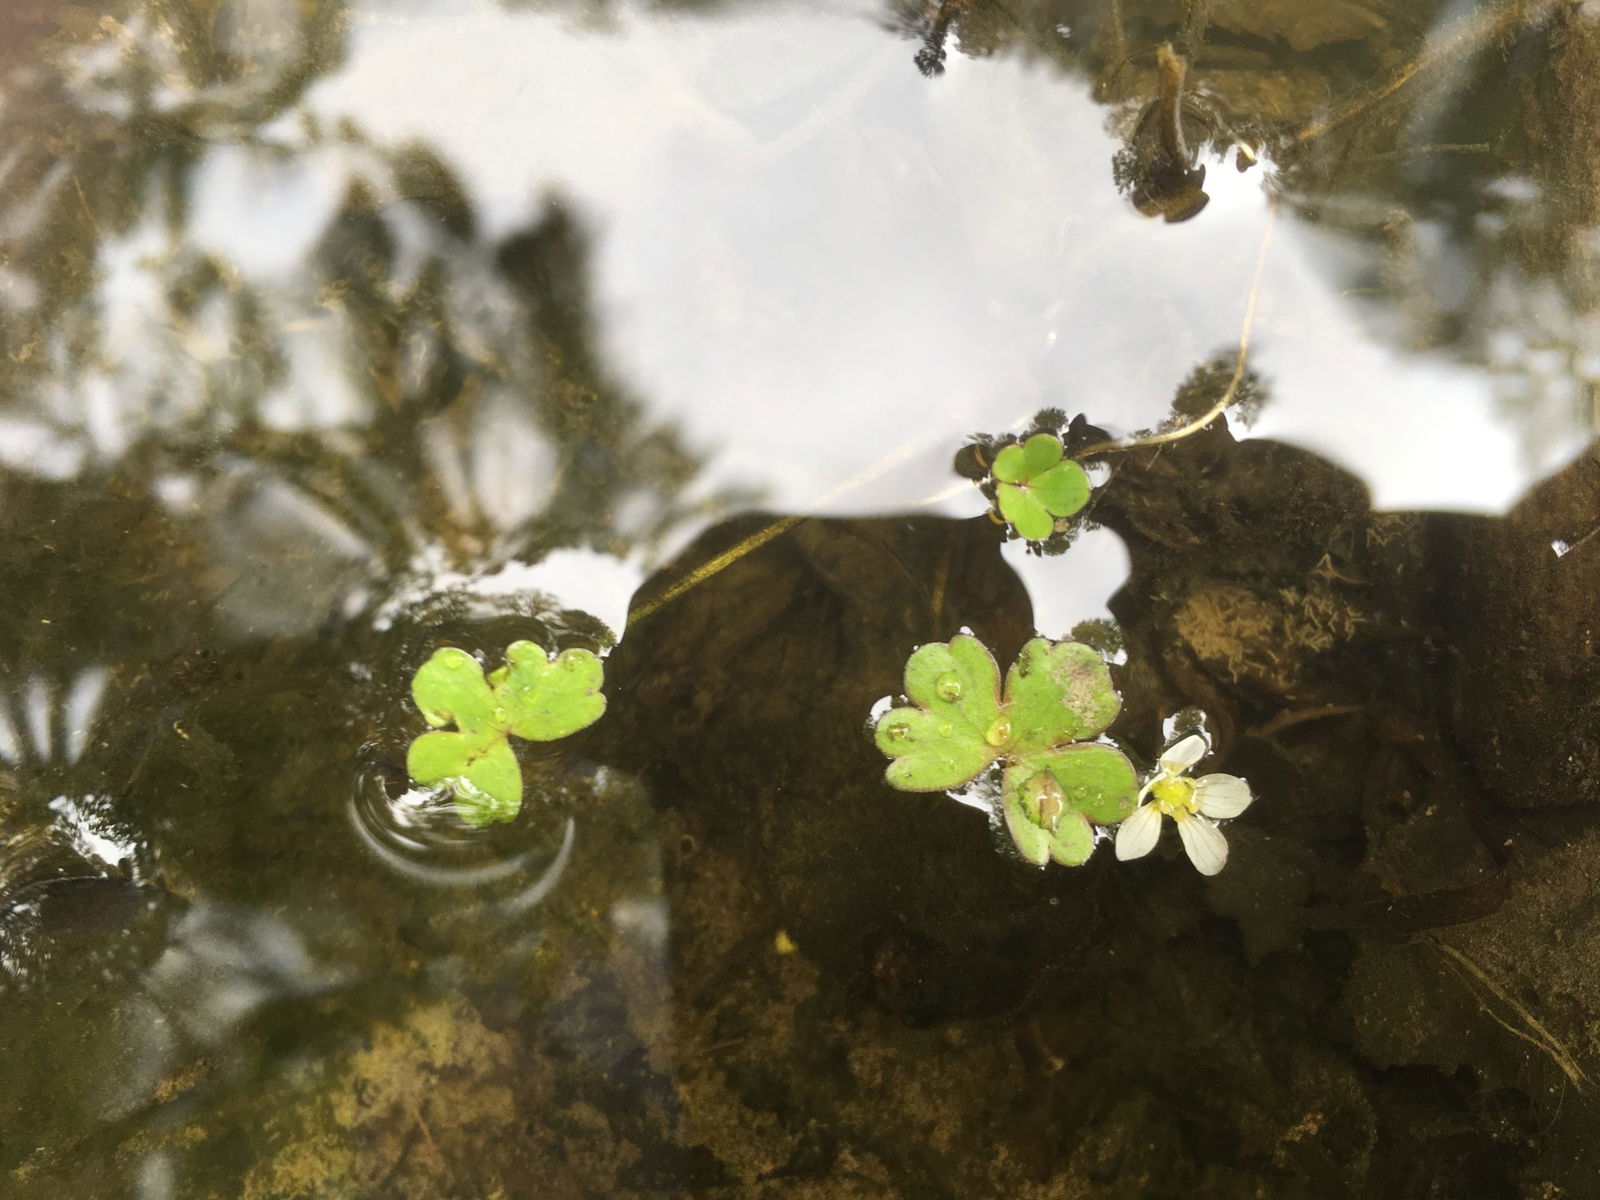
(533, 696)
(1056, 785)
(1035, 485)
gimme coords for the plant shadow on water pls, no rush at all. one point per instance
(241, 954)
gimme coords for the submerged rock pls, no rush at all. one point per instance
(745, 699)
(1517, 597)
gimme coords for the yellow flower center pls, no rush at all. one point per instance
(1174, 797)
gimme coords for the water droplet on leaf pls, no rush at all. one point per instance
(948, 686)
(898, 732)
(999, 733)
(946, 729)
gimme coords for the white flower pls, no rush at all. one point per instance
(1195, 806)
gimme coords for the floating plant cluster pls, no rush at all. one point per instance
(1036, 486)
(1039, 738)
(1037, 735)
(534, 696)
(1056, 784)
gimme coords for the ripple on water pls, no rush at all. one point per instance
(415, 833)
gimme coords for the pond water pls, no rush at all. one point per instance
(688, 336)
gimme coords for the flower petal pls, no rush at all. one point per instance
(1222, 796)
(1204, 843)
(1184, 754)
(1137, 836)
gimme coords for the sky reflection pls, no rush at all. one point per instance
(809, 257)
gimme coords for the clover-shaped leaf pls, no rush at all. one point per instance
(532, 696)
(950, 736)
(1035, 484)
(1051, 800)
(484, 775)
(450, 687)
(1056, 786)
(1039, 822)
(1058, 692)
(550, 698)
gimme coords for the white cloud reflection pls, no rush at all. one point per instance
(809, 255)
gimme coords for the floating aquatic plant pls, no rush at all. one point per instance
(1195, 806)
(1056, 785)
(534, 696)
(1036, 485)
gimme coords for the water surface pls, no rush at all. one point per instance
(337, 332)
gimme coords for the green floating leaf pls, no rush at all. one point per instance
(1058, 692)
(1041, 452)
(953, 732)
(1097, 781)
(1062, 490)
(1011, 464)
(958, 677)
(550, 698)
(532, 696)
(450, 687)
(1024, 513)
(1069, 838)
(436, 758)
(1019, 462)
(1056, 786)
(930, 754)
(1035, 486)
(1051, 799)
(480, 770)
(491, 791)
